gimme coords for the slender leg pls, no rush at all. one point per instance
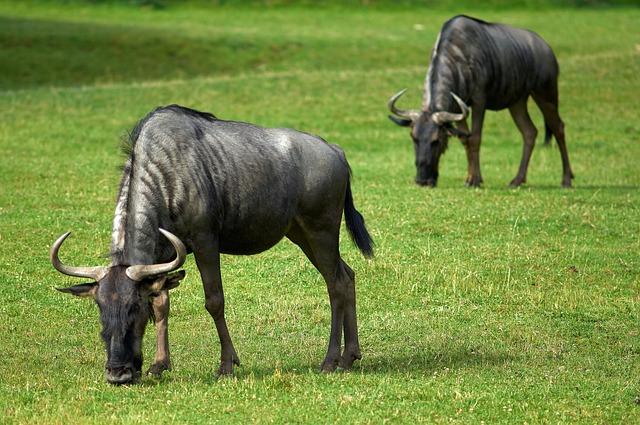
(161, 362)
(336, 300)
(351, 351)
(548, 104)
(547, 135)
(207, 258)
(474, 179)
(529, 132)
(462, 126)
(321, 247)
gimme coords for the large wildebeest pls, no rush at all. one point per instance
(485, 66)
(217, 187)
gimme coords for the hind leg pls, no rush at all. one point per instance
(521, 117)
(351, 351)
(319, 241)
(548, 104)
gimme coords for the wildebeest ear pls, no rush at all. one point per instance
(166, 282)
(402, 122)
(173, 279)
(82, 290)
(453, 131)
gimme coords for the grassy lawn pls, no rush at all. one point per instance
(491, 305)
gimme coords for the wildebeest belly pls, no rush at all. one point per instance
(502, 95)
(499, 103)
(248, 242)
(254, 227)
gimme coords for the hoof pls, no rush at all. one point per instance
(223, 373)
(566, 179)
(348, 358)
(226, 367)
(156, 369)
(473, 181)
(516, 182)
(330, 365)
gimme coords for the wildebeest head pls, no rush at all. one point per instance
(123, 295)
(430, 132)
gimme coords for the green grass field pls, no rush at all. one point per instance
(494, 305)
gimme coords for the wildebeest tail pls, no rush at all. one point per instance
(547, 134)
(355, 225)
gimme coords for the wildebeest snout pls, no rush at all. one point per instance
(427, 175)
(119, 375)
(429, 182)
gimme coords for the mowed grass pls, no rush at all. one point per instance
(492, 305)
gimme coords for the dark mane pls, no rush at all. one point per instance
(129, 142)
(480, 21)
(188, 111)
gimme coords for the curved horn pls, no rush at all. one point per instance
(139, 273)
(95, 273)
(411, 114)
(445, 117)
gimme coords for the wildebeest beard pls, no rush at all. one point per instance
(117, 318)
(123, 316)
(431, 142)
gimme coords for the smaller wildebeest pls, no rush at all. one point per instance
(217, 187)
(480, 65)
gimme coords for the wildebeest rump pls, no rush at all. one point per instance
(485, 66)
(217, 187)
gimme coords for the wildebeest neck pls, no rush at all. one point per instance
(135, 228)
(151, 194)
(449, 71)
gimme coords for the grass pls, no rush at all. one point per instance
(491, 305)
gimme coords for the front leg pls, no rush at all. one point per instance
(160, 306)
(472, 147)
(464, 135)
(207, 258)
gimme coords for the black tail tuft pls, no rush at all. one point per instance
(355, 225)
(547, 134)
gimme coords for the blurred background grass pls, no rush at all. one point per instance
(445, 4)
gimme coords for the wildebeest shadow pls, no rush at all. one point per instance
(429, 361)
(423, 361)
(578, 187)
(419, 363)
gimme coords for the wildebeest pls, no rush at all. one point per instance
(485, 66)
(217, 187)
